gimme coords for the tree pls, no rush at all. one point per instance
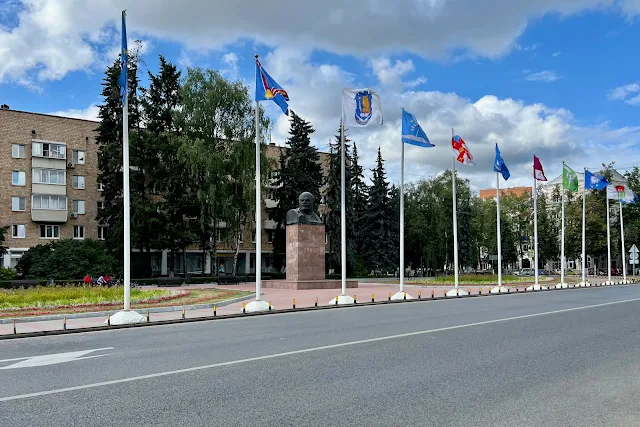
(300, 171)
(3, 234)
(378, 246)
(394, 226)
(548, 242)
(360, 199)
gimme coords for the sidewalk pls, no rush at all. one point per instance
(280, 298)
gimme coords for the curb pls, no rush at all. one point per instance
(89, 314)
(281, 311)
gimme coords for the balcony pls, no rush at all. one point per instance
(49, 215)
(269, 224)
(270, 203)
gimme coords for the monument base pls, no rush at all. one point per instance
(125, 317)
(258, 306)
(307, 284)
(401, 296)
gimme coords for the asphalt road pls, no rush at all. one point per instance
(566, 358)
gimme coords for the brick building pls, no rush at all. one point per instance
(49, 188)
(490, 193)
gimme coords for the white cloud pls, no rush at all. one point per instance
(542, 76)
(54, 37)
(89, 113)
(230, 60)
(556, 54)
(391, 74)
(623, 93)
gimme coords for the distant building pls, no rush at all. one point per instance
(490, 193)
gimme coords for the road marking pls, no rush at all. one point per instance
(52, 359)
(308, 350)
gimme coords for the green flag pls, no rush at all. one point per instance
(569, 179)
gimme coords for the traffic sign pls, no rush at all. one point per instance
(634, 253)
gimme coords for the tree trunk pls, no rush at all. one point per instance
(235, 254)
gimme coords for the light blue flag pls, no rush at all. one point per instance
(412, 133)
(594, 182)
(268, 89)
(124, 59)
(500, 166)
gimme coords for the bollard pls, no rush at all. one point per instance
(480, 291)
(389, 296)
(64, 325)
(183, 313)
(419, 295)
(404, 296)
(214, 310)
(109, 319)
(433, 293)
(355, 299)
(469, 291)
(269, 305)
(14, 326)
(244, 306)
(508, 289)
(316, 303)
(373, 298)
(294, 303)
(336, 300)
(457, 292)
(517, 290)
(147, 315)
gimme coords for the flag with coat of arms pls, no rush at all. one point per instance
(361, 108)
(460, 150)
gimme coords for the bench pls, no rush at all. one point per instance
(24, 283)
(169, 281)
(228, 278)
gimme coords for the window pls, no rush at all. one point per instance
(221, 235)
(18, 204)
(272, 234)
(253, 236)
(77, 181)
(43, 201)
(18, 178)
(49, 176)
(78, 157)
(100, 186)
(101, 233)
(100, 205)
(48, 150)
(17, 151)
(78, 232)
(241, 237)
(18, 231)
(274, 174)
(49, 231)
(78, 207)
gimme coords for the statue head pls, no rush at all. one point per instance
(305, 201)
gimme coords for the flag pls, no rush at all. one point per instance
(629, 197)
(361, 107)
(569, 179)
(268, 89)
(615, 192)
(593, 181)
(500, 166)
(124, 59)
(412, 133)
(538, 172)
(460, 150)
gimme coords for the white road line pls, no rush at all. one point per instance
(308, 350)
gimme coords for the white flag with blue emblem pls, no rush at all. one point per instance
(361, 107)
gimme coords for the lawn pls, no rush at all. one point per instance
(478, 279)
(43, 300)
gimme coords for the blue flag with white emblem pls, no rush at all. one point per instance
(124, 60)
(594, 181)
(412, 133)
(500, 166)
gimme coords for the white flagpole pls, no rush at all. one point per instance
(455, 222)
(584, 228)
(608, 240)
(624, 260)
(402, 218)
(343, 209)
(258, 203)
(499, 238)
(126, 193)
(562, 248)
(535, 226)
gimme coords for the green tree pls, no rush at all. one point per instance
(3, 236)
(300, 171)
(548, 241)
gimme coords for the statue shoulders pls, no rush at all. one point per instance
(293, 216)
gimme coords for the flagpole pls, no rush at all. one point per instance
(455, 221)
(126, 189)
(562, 247)
(258, 202)
(499, 238)
(608, 241)
(343, 210)
(584, 230)
(402, 218)
(535, 226)
(624, 260)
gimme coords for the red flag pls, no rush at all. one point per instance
(538, 172)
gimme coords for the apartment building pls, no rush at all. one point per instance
(490, 193)
(49, 188)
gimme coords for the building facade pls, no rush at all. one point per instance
(49, 188)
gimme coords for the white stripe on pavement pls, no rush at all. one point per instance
(308, 350)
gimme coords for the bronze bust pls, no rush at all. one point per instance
(304, 214)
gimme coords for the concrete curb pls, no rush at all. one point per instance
(105, 313)
(281, 311)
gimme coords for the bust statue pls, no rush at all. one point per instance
(304, 214)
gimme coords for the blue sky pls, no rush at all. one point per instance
(558, 80)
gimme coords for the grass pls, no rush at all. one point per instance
(472, 279)
(43, 300)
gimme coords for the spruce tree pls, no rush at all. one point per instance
(394, 227)
(300, 171)
(360, 196)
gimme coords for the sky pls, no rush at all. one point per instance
(555, 78)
